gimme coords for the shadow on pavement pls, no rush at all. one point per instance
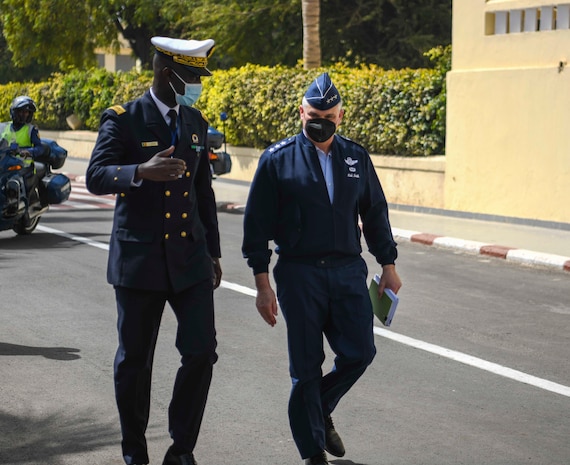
(53, 353)
(40, 240)
(32, 439)
(344, 462)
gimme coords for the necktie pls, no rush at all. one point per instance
(173, 115)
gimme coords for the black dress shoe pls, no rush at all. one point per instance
(319, 459)
(185, 459)
(333, 442)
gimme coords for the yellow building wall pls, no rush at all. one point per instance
(508, 111)
(121, 60)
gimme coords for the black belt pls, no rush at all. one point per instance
(325, 261)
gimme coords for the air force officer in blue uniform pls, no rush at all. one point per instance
(165, 244)
(307, 195)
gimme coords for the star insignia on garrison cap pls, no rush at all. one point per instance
(322, 93)
(332, 99)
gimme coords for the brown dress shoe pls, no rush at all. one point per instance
(333, 442)
(319, 459)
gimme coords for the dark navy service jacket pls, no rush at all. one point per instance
(289, 204)
(164, 233)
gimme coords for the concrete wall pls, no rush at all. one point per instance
(408, 181)
(508, 110)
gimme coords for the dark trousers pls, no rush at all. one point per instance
(139, 316)
(333, 301)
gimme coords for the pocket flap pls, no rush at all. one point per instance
(130, 235)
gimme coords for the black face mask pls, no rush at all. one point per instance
(320, 129)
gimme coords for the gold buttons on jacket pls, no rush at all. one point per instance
(167, 193)
(183, 234)
(187, 174)
(123, 194)
(184, 216)
(167, 215)
(186, 194)
(166, 236)
(115, 179)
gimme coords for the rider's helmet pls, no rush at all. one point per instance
(22, 102)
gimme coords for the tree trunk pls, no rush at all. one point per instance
(311, 35)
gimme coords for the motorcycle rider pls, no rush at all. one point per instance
(21, 131)
(25, 135)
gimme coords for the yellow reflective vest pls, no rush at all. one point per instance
(22, 137)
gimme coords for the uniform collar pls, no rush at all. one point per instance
(162, 107)
(319, 151)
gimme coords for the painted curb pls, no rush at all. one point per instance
(510, 254)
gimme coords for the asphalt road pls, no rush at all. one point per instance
(474, 370)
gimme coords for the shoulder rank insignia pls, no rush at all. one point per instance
(118, 109)
(204, 117)
(281, 144)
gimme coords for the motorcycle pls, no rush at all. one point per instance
(27, 190)
(220, 161)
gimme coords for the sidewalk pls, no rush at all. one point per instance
(519, 243)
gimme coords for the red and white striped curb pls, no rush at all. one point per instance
(523, 256)
(81, 199)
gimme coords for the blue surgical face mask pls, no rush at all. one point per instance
(191, 92)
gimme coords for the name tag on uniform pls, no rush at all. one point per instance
(152, 143)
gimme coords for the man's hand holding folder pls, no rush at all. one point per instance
(383, 296)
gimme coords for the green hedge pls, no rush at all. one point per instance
(85, 93)
(389, 112)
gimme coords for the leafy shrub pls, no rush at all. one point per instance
(389, 112)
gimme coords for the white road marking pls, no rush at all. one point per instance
(84, 240)
(238, 288)
(476, 362)
(416, 343)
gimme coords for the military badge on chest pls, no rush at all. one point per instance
(195, 146)
(352, 168)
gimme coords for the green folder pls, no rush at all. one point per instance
(385, 306)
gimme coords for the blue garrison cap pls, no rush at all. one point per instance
(322, 94)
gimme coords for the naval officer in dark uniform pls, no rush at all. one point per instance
(307, 195)
(165, 244)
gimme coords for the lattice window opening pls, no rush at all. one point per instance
(540, 19)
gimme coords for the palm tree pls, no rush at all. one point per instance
(311, 36)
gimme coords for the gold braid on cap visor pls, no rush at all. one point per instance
(196, 62)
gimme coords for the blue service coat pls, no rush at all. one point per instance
(164, 233)
(289, 203)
